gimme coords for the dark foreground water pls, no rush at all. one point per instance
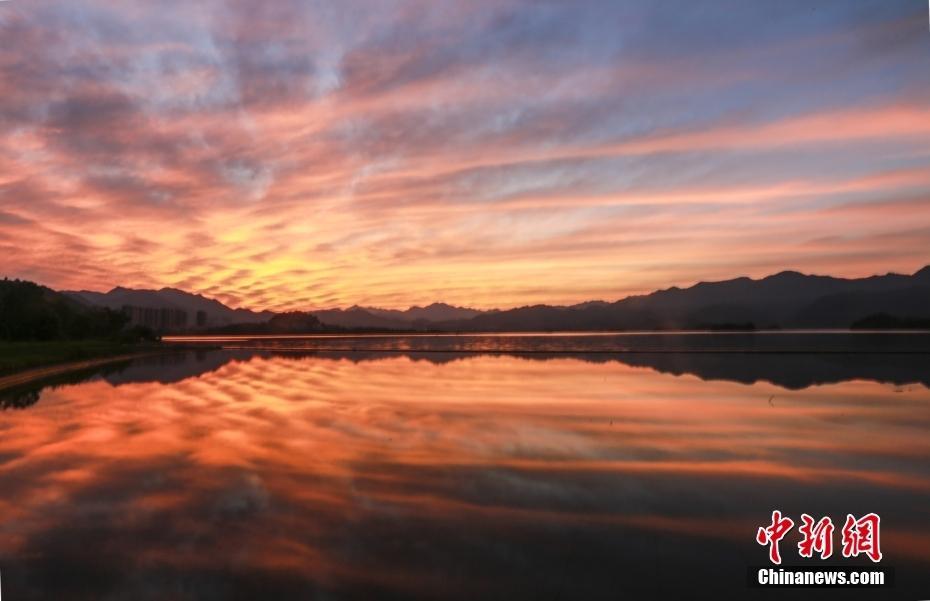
(407, 468)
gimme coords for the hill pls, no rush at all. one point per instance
(294, 322)
(785, 300)
(359, 318)
(414, 318)
(431, 313)
(29, 311)
(217, 313)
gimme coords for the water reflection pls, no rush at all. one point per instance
(246, 474)
(27, 394)
(793, 371)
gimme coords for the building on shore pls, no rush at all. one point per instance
(161, 319)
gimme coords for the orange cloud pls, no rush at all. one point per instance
(471, 165)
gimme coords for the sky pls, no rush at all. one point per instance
(308, 154)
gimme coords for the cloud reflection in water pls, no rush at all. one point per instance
(242, 474)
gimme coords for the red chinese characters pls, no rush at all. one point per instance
(818, 536)
(859, 536)
(862, 537)
(773, 534)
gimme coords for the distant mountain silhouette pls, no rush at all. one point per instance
(293, 322)
(359, 318)
(217, 313)
(418, 318)
(433, 312)
(785, 300)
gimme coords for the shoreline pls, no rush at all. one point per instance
(39, 373)
(177, 339)
(42, 370)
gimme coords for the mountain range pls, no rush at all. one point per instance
(418, 318)
(785, 300)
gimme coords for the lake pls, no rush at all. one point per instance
(463, 467)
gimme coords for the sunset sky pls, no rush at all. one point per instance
(306, 154)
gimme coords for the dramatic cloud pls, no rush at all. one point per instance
(301, 154)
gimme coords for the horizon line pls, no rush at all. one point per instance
(358, 305)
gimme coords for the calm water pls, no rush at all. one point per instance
(285, 470)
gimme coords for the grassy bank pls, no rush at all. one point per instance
(19, 356)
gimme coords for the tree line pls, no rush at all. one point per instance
(29, 311)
